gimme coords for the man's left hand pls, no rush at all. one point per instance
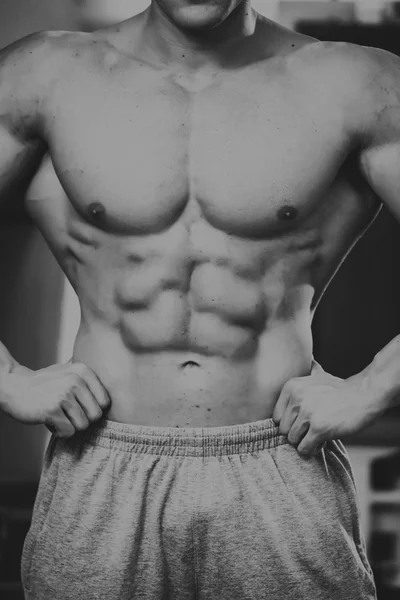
(312, 410)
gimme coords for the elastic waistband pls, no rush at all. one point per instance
(182, 441)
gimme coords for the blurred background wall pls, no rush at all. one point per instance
(32, 285)
(21, 17)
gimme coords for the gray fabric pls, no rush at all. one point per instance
(126, 512)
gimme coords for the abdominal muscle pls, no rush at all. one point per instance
(169, 387)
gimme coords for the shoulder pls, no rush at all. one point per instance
(366, 79)
(370, 69)
(379, 96)
(29, 68)
(37, 54)
(332, 61)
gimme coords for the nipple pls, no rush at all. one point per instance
(96, 210)
(286, 213)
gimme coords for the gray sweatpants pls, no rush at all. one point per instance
(125, 512)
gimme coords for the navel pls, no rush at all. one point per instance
(96, 210)
(189, 363)
(287, 213)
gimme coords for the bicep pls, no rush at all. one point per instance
(380, 154)
(381, 168)
(19, 161)
(21, 88)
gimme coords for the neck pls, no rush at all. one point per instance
(196, 49)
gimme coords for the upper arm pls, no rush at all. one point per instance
(380, 126)
(24, 79)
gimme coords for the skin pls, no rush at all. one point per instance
(205, 172)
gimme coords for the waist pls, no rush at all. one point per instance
(172, 388)
(188, 441)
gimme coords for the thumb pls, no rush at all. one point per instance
(316, 367)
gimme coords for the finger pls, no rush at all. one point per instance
(288, 420)
(97, 388)
(88, 403)
(75, 413)
(60, 425)
(281, 405)
(298, 431)
(309, 444)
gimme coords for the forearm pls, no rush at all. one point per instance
(7, 364)
(382, 376)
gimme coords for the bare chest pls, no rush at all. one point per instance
(247, 154)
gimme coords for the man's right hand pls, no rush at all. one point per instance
(66, 398)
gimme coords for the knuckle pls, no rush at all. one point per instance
(75, 380)
(295, 399)
(66, 403)
(317, 426)
(80, 368)
(54, 412)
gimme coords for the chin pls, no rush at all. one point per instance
(200, 15)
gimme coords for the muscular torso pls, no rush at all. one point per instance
(199, 221)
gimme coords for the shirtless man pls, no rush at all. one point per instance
(215, 170)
